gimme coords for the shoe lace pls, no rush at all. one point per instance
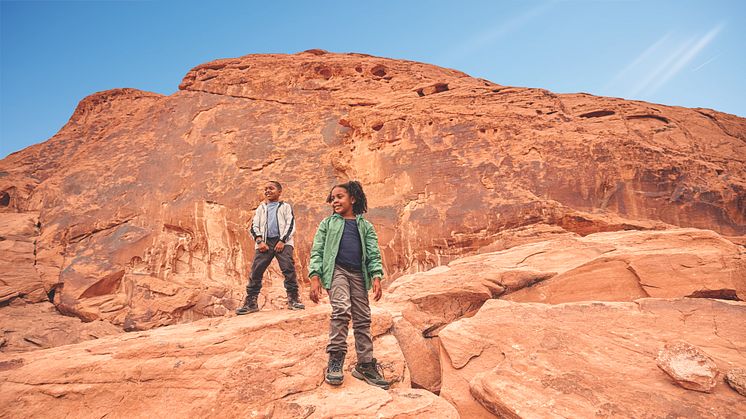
(335, 365)
(378, 369)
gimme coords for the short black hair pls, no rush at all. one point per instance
(276, 183)
(355, 189)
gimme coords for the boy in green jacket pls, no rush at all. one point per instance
(346, 261)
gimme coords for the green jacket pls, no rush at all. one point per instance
(326, 245)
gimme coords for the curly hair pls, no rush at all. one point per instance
(355, 190)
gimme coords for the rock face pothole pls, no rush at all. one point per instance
(432, 89)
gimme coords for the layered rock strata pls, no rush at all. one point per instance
(141, 201)
(449, 341)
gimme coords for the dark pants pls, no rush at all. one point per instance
(262, 261)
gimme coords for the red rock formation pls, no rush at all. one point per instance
(736, 379)
(587, 359)
(444, 330)
(269, 366)
(615, 266)
(29, 327)
(143, 200)
(689, 366)
(20, 279)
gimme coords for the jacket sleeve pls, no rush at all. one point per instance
(315, 267)
(255, 231)
(290, 229)
(373, 262)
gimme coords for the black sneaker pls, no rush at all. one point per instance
(372, 373)
(249, 305)
(334, 370)
(294, 304)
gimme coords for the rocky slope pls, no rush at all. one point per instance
(541, 249)
(141, 201)
(451, 346)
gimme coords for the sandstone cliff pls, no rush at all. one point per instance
(541, 248)
(137, 209)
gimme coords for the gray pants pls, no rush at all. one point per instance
(261, 262)
(349, 299)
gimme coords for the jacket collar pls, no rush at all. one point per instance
(358, 217)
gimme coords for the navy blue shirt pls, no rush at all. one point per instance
(350, 254)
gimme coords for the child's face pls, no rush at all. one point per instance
(271, 192)
(342, 202)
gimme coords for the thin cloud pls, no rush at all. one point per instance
(659, 63)
(630, 68)
(486, 38)
(655, 74)
(686, 58)
(705, 63)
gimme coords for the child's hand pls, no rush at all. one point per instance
(315, 292)
(279, 246)
(377, 291)
(263, 247)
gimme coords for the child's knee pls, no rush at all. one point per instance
(341, 312)
(361, 323)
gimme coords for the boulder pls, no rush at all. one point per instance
(660, 264)
(688, 366)
(736, 379)
(588, 358)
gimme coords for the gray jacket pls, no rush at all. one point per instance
(285, 220)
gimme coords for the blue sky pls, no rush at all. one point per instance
(676, 52)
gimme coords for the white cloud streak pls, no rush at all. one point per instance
(705, 63)
(668, 60)
(686, 58)
(630, 68)
(488, 37)
(672, 64)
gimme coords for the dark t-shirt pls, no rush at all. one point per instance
(350, 254)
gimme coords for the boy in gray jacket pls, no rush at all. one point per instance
(273, 228)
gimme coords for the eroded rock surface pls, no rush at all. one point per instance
(736, 378)
(614, 266)
(134, 216)
(588, 359)
(143, 200)
(630, 265)
(269, 364)
(20, 279)
(448, 331)
(29, 327)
